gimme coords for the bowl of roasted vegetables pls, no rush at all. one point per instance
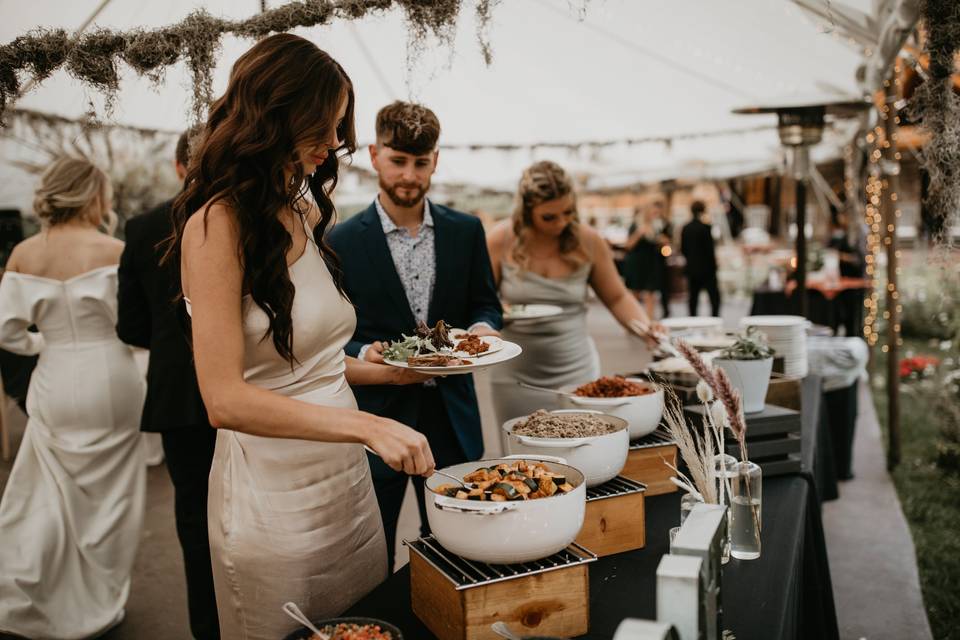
(507, 510)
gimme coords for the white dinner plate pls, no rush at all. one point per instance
(531, 312)
(508, 351)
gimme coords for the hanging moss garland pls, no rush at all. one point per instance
(93, 57)
(937, 107)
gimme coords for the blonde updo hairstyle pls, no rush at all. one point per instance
(72, 187)
(542, 182)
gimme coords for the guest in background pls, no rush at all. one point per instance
(663, 229)
(696, 244)
(853, 264)
(544, 255)
(643, 264)
(151, 317)
(71, 514)
(640, 262)
(408, 260)
(852, 255)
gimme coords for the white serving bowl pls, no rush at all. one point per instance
(642, 413)
(599, 458)
(506, 532)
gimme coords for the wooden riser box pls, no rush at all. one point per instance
(649, 466)
(614, 525)
(555, 603)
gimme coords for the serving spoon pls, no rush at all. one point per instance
(294, 612)
(534, 387)
(502, 630)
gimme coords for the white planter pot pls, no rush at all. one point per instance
(506, 532)
(751, 378)
(599, 458)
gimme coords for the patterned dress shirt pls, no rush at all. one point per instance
(414, 257)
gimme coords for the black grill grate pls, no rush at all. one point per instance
(619, 486)
(467, 574)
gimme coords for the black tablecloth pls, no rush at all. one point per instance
(785, 594)
(818, 453)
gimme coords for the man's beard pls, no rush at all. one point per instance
(405, 202)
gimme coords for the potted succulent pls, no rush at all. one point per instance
(748, 363)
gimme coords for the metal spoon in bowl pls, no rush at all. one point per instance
(534, 387)
(454, 478)
(294, 612)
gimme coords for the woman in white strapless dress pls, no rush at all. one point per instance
(292, 512)
(72, 510)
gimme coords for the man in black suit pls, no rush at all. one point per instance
(405, 260)
(696, 244)
(149, 317)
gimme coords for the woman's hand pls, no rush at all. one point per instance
(401, 376)
(402, 448)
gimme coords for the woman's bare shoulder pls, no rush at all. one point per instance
(501, 235)
(214, 221)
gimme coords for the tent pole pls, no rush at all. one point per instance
(890, 169)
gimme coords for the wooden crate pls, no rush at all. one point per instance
(649, 466)
(555, 603)
(773, 438)
(614, 524)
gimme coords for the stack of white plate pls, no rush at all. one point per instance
(699, 325)
(787, 335)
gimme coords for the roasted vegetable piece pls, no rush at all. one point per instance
(547, 486)
(507, 490)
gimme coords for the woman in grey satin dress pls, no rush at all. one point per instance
(543, 255)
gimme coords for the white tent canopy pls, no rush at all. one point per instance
(629, 69)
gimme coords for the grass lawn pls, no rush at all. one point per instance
(930, 498)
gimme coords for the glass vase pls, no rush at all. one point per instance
(687, 502)
(725, 466)
(746, 486)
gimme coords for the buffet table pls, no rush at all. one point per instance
(834, 305)
(785, 594)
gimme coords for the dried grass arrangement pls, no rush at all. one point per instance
(93, 57)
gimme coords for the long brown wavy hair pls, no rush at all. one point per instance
(282, 93)
(541, 182)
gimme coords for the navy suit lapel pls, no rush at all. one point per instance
(382, 264)
(445, 257)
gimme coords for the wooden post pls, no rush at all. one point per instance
(890, 171)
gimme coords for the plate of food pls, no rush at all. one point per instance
(515, 312)
(444, 351)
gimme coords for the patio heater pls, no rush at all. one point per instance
(800, 124)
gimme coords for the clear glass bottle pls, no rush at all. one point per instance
(725, 466)
(687, 502)
(746, 485)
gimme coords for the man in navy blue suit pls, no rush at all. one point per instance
(406, 259)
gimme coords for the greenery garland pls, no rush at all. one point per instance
(937, 107)
(93, 57)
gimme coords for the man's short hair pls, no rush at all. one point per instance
(184, 143)
(697, 208)
(408, 127)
